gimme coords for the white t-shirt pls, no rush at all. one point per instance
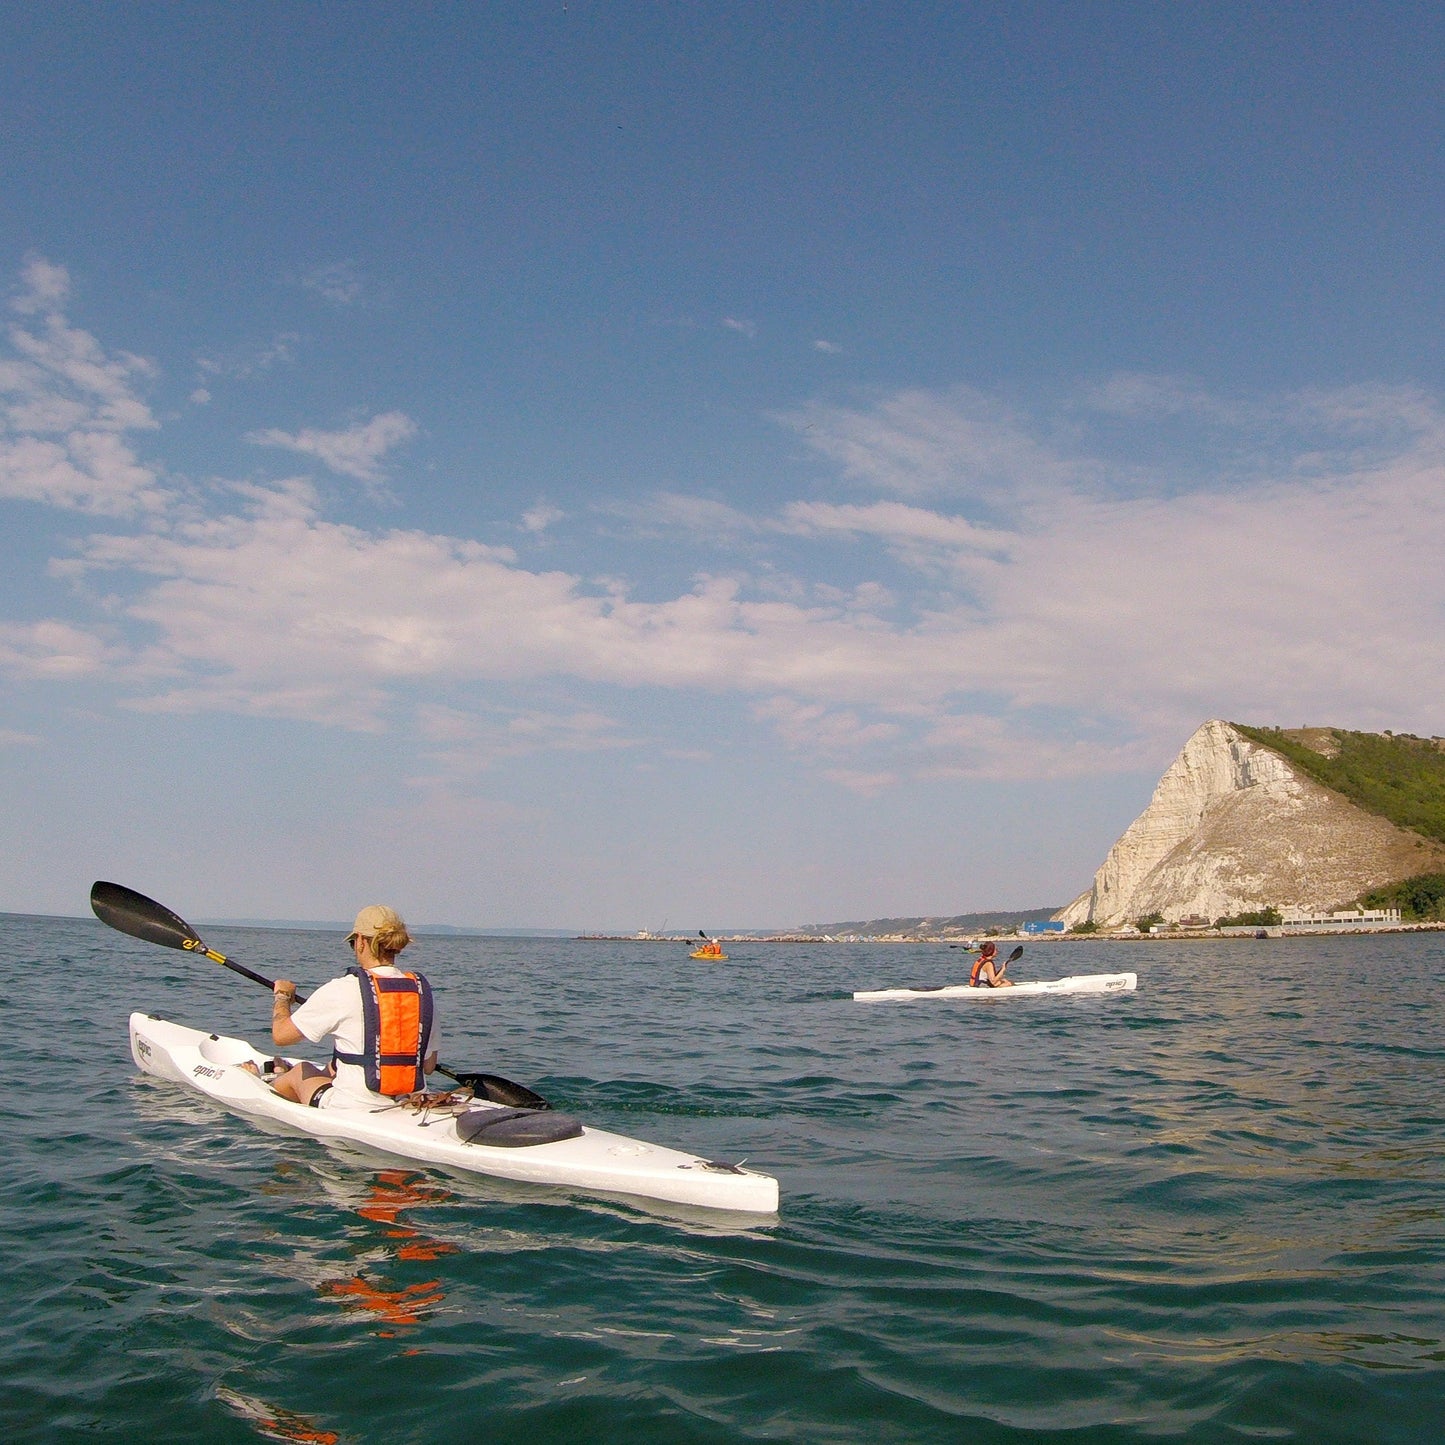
(335, 1008)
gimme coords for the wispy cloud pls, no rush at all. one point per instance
(918, 444)
(1097, 623)
(667, 513)
(537, 519)
(338, 282)
(740, 324)
(241, 365)
(463, 744)
(854, 780)
(56, 651)
(1040, 613)
(918, 537)
(67, 407)
(356, 451)
(817, 728)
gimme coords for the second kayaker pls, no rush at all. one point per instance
(987, 973)
(381, 1017)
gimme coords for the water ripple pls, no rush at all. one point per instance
(1212, 1209)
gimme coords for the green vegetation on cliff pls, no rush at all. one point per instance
(1420, 899)
(1393, 775)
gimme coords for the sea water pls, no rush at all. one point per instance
(1208, 1210)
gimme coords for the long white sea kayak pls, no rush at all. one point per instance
(536, 1146)
(1079, 983)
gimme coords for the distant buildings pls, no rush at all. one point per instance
(1302, 920)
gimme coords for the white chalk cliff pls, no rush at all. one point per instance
(1233, 827)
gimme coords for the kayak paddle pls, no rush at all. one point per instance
(1013, 957)
(127, 911)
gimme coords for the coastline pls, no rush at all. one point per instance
(1101, 936)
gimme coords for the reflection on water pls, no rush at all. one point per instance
(274, 1423)
(394, 1190)
(379, 1198)
(398, 1308)
(396, 1305)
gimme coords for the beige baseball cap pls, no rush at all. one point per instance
(371, 918)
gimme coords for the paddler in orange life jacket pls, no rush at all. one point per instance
(986, 972)
(380, 1016)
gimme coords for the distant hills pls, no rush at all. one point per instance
(960, 926)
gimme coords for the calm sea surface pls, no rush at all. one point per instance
(1209, 1210)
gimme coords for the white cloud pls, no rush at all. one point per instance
(66, 406)
(355, 452)
(1096, 627)
(44, 287)
(54, 650)
(537, 519)
(1054, 611)
(742, 325)
(669, 511)
(828, 348)
(918, 537)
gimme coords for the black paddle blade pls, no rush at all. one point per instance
(127, 911)
(500, 1090)
(1017, 954)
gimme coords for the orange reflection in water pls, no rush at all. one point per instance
(393, 1306)
(393, 1190)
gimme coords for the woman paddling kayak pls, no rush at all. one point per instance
(986, 973)
(381, 1017)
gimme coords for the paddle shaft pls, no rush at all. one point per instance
(133, 913)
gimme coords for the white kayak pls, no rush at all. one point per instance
(536, 1146)
(1079, 983)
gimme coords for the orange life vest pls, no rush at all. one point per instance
(397, 1013)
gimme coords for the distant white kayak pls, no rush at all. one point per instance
(1079, 983)
(536, 1146)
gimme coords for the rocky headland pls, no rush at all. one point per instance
(1235, 826)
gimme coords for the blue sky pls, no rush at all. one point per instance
(615, 466)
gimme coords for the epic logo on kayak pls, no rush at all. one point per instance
(206, 1071)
